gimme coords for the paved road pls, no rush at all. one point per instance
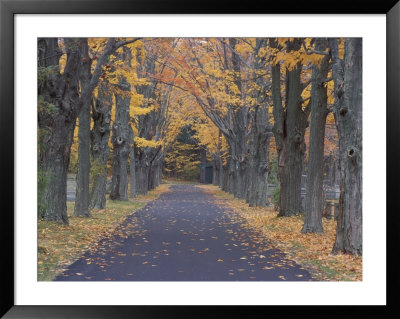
(184, 236)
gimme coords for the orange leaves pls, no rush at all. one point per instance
(313, 251)
(60, 245)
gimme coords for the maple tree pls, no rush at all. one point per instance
(61, 95)
(246, 101)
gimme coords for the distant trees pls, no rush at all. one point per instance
(184, 158)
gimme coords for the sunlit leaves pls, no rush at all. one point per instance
(142, 142)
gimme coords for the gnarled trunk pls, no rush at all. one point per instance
(347, 75)
(121, 142)
(55, 168)
(258, 155)
(59, 105)
(100, 150)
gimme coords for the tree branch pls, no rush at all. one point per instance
(309, 52)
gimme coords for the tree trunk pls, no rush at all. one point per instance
(279, 128)
(225, 177)
(56, 169)
(60, 101)
(289, 129)
(259, 144)
(203, 165)
(121, 142)
(142, 182)
(142, 171)
(152, 176)
(58, 107)
(347, 75)
(319, 111)
(231, 175)
(100, 135)
(215, 171)
(132, 170)
(221, 174)
(219, 163)
(259, 167)
(82, 178)
(157, 174)
(296, 123)
(238, 179)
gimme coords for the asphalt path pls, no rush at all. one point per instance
(184, 236)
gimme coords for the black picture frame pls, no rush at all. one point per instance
(8, 8)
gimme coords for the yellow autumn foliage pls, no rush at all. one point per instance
(142, 142)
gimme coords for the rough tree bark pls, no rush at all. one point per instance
(259, 142)
(240, 128)
(58, 108)
(347, 75)
(145, 125)
(132, 166)
(319, 111)
(59, 94)
(289, 128)
(295, 147)
(258, 172)
(121, 136)
(101, 114)
(81, 207)
(142, 172)
(120, 142)
(279, 128)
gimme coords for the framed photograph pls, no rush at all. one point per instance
(28, 291)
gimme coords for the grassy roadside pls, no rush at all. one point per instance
(312, 251)
(60, 245)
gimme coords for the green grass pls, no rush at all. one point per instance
(328, 270)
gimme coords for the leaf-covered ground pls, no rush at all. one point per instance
(184, 236)
(60, 245)
(312, 251)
